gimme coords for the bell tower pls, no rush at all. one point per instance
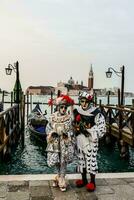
(90, 78)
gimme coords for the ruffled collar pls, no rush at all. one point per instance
(86, 112)
(56, 117)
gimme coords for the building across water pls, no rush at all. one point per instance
(73, 88)
(40, 90)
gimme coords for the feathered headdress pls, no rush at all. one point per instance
(88, 96)
(62, 99)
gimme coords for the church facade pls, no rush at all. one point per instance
(72, 87)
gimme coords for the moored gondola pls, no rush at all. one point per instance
(37, 123)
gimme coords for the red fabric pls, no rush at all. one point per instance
(68, 99)
(65, 99)
(90, 97)
(90, 187)
(78, 118)
(50, 102)
(79, 183)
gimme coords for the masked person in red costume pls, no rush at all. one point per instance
(60, 139)
(89, 124)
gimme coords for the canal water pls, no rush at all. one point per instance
(32, 158)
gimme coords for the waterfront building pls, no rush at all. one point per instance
(73, 87)
(71, 81)
(61, 87)
(40, 90)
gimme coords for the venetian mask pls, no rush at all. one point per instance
(62, 109)
(84, 103)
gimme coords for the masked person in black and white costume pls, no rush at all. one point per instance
(89, 125)
(60, 139)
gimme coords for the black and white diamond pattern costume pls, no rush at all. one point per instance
(87, 145)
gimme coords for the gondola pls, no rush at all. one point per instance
(37, 123)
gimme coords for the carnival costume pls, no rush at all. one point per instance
(60, 139)
(89, 124)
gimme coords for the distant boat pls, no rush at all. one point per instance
(37, 123)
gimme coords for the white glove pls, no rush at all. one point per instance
(93, 135)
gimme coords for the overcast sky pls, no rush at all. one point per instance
(56, 39)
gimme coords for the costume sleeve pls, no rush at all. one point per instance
(70, 129)
(98, 130)
(49, 129)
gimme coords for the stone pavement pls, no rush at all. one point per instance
(39, 188)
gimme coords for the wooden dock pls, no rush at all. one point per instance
(119, 121)
(120, 126)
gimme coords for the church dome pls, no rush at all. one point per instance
(71, 81)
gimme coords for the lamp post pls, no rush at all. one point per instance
(17, 99)
(16, 70)
(120, 74)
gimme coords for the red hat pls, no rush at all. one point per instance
(62, 99)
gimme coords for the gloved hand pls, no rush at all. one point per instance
(54, 135)
(93, 135)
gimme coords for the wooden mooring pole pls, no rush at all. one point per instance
(27, 105)
(51, 105)
(30, 102)
(132, 121)
(23, 120)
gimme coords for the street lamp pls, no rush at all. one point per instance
(16, 70)
(120, 74)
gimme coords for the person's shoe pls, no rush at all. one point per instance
(80, 183)
(56, 181)
(63, 189)
(90, 187)
(62, 184)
